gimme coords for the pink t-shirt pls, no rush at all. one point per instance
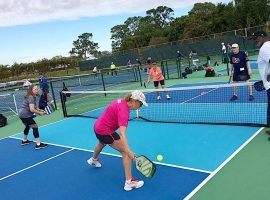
(156, 73)
(114, 116)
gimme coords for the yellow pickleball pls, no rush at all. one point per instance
(159, 157)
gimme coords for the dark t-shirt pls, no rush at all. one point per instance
(239, 62)
(43, 100)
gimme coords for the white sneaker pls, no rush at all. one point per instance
(92, 161)
(133, 183)
(158, 97)
(167, 96)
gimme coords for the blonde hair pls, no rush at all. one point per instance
(128, 98)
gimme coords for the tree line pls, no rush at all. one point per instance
(42, 66)
(160, 26)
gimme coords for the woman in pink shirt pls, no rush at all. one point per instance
(156, 73)
(116, 116)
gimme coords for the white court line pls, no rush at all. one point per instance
(188, 197)
(36, 164)
(198, 96)
(115, 155)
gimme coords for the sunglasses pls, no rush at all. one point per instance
(140, 103)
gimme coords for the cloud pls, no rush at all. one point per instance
(14, 12)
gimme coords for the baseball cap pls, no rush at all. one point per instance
(257, 34)
(235, 45)
(138, 95)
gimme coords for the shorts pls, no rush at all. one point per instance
(241, 77)
(162, 82)
(29, 122)
(108, 139)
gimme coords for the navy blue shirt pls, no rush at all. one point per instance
(43, 100)
(239, 62)
(43, 84)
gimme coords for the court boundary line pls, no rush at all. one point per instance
(188, 197)
(46, 160)
(119, 156)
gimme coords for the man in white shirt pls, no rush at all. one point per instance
(224, 52)
(261, 40)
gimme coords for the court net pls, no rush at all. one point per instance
(102, 78)
(207, 104)
(8, 104)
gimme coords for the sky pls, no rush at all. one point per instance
(35, 29)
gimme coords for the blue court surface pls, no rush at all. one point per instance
(191, 153)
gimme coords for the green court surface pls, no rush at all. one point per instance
(244, 177)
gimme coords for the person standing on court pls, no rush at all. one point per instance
(95, 71)
(27, 112)
(139, 63)
(158, 78)
(113, 69)
(43, 83)
(179, 55)
(240, 70)
(262, 40)
(223, 52)
(115, 117)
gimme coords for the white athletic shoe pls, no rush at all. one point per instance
(158, 97)
(167, 96)
(92, 161)
(133, 184)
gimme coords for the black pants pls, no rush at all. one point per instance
(30, 123)
(113, 71)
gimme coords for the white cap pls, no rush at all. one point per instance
(138, 95)
(222, 42)
(235, 45)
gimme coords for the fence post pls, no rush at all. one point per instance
(53, 95)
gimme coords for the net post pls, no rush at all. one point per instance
(135, 74)
(162, 68)
(103, 83)
(140, 77)
(63, 100)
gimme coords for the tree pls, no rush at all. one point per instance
(84, 47)
(161, 16)
(4, 72)
(119, 32)
(176, 29)
(251, 12)
(132, 25)
(199, 21)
